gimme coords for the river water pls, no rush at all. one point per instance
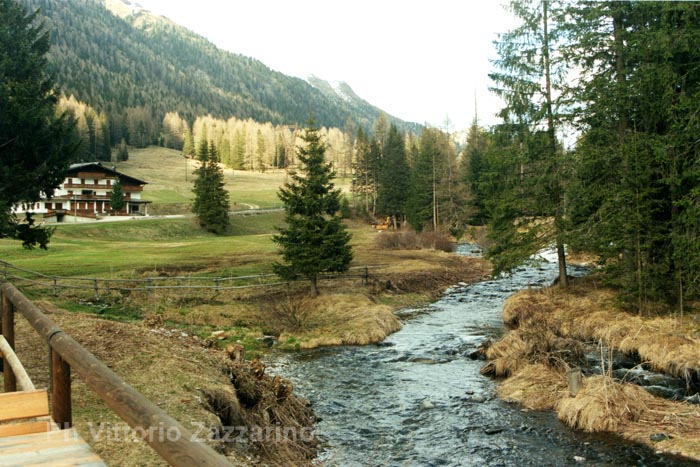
(418, 400)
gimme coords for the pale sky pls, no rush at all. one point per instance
(421, 61)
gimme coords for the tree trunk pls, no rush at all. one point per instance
(561, 260)
(314, 286)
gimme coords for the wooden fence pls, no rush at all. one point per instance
(25, 277)
(67, 355)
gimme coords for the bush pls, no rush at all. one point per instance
(345, 211)
(289, 314)
(437, 241)
(397, 241)
(409, 240)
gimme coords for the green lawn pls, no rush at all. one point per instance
(121, 249)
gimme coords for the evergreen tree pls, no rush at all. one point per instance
(122, 151)
(637, 172)
(117, 200)
(529, 69)
(35, 151)
(314, 240)
(211, 204)
(420, 210)
(472, 168)
(394, 177)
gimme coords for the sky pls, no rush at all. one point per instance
(422, 61)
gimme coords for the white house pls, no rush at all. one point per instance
(84, 195)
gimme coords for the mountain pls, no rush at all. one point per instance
(114, 55)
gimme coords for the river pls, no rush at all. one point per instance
(418, 400)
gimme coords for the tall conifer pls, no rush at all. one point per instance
(314, 240)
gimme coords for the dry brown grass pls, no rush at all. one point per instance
(587, 312)
(534, 386)
(591, 313)
(603, 405)
(506, 356)
(343, 319)
(519, 307)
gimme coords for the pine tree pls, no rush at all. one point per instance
(117, 199)
(314, 241)
(211, 204)
(34, 148)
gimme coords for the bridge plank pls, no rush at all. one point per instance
(60, 448)
(25, 428)
(23, 404)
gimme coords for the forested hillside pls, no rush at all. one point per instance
(136, 65)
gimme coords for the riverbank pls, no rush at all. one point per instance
(349, 312)
(233, 405)
(550, 328)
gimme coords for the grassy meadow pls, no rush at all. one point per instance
(170, 176)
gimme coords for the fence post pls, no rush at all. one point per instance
(365, 279)
(8, 331)
(97, 291)
(55, 286)
(61, 405)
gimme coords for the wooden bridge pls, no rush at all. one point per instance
(36, 426)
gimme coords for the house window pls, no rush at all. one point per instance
(88, 192)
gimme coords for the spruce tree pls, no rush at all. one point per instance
(529, 71)
(472, 167)
(116, 197)
(394, 177)
(211, 204)
(314, 241)
(34, 148)
(637, 159)
(122, 151)
(420, 206)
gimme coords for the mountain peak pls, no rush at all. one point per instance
(122, 8)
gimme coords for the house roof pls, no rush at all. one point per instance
(98, 166)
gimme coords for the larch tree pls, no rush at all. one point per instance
(35, 147)
(314, 240)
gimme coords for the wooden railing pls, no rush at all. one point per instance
(67, 355)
